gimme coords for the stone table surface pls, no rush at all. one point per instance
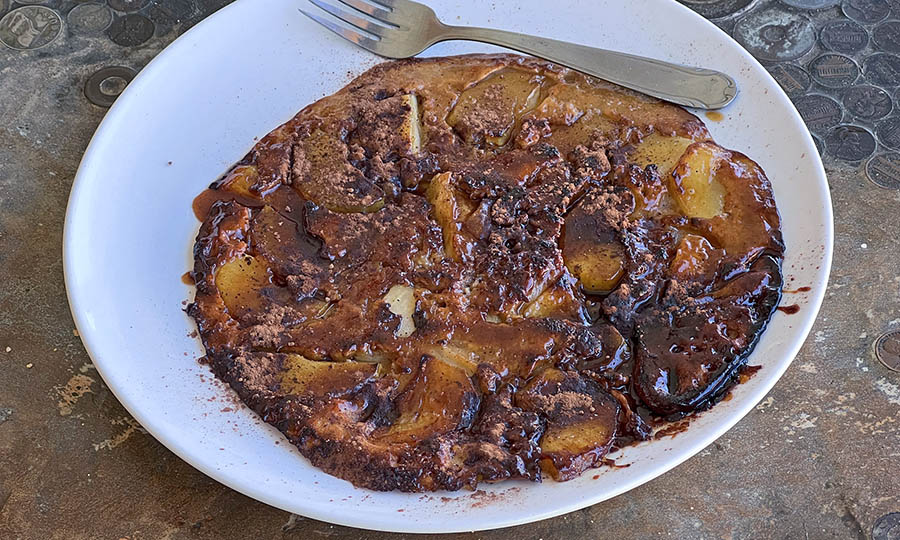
(818, 458)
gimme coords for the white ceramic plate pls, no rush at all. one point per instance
(197, 108)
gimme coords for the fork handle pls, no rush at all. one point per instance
(688, 86)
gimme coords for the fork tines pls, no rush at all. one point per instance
(361, 30)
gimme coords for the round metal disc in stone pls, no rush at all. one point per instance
(844, 37)
(727, 25)
(90, 18)
(850, 143)
(128, 6)
(888, 132)
(171, 12)
(882, 69)
(884, 170)
(820, 146)
(30, 27)
(867, 102)
(811, 4)
(793, 79)
(833, 70)
(775, 34)
(887, 36)
(104, 86)
(715, 9)
(130, 30)
(866, 11)
(887, 527)
(819, 112)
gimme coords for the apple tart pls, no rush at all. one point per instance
(468, 269)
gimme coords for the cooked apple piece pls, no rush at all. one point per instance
(460, 357)
(489, 110)
(411, 128)
(240, 283)
(649, 191)
(566, 102)
(240, 179)
(303, 376)
(449, 210)
(694, 256)
(751, 223)
(598, 268)
(286, 247)
(581, 420)
(558, 107)
(510, 348)
(615, 349)
(590, 250)
(659, 150)
(390, 127)
(561, 300)
(589, 126)
(401, 300)
(573, 448)
(732, 198)
(685, 357)
(694, 184)
(323, 175)
(439, 399)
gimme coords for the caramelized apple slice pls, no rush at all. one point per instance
(590, 249)
(567, 101)
(659, 150)
(558, 107)
(241, 282)
(511, 349)
(240, 179)
(303, 376)
(410, 129)
(489, 110)
(751, 223)
(686, 356)
(731, 195)
(323, 175)
(286, 247)
(581, 420)
(391, 127)
(401, 300)
(615, 349)
(598, 268)
(561, 300)
(588, 126)
(449, 212)
(441, 398)
(694, 183)
(694, 256)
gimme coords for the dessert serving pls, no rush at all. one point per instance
(467, 269)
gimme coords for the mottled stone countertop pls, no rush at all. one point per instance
(818, 458)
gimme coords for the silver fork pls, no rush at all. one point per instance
(406, 28)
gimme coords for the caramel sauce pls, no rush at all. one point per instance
(204, 201)
(672, 429)
(187, 278)
(747, 372)
(715, 116)
(790, 310)
(210, 196)
(798, 290)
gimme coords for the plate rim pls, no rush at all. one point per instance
(75, 299)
